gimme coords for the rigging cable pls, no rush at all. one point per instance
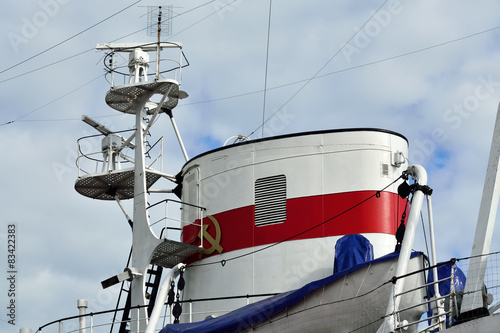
(53, 101)
(267, 65)
(326, 64)
(349, 68)
(375, 195)
(272, 88)
(204, 18)
(88, 50)
(59, 61)
(45, 66)
(425, 235)
(67, 39)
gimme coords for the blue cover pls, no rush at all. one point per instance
(351, 250)
(257, 312)
(444, 271)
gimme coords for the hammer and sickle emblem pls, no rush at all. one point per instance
(214, 242)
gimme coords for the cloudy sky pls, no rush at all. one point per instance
(426, 69)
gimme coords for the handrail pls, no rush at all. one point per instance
(441, 315)
(91, 314)
(452, 295)
(166, 218)
(88, 315)
(123, 70)
(177, 201)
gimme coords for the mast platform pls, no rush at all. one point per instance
(129, 98)
(170, 253)
(117, 183)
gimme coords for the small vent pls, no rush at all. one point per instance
(384, 169)
(270, 200)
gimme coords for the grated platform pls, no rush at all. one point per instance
(129, 97)
(104, 186)
(170, 253)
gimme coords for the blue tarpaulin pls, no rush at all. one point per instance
(444, 271)
(351, 250)
(257, 312)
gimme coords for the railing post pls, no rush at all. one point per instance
(82, 307)
(61, 330)
(439, 302)
(190, 311)
(453, 296)
(138, 318)
(112, 69)
(166, 219)
(201, 229)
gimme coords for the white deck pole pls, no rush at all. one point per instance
(389, 324)
(484, 229)
(82, 309)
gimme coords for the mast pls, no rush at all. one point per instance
(115, 183)
(473, 304)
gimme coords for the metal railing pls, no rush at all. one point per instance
(176, 222)
(427, 323)
(113, 67)
(93, 158)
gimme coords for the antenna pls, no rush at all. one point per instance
(158, 26)
(164, 25)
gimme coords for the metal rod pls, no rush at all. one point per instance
(179, 138)
(420, 176)
(437, 295)
(162, 296)
(123, 209)
(158, 46)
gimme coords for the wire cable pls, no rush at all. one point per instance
(53, 101)
(45, 66)
(319, 71)
(272, 88)
(267, 66)
(67, 39)
(88, 50)
(347, 69)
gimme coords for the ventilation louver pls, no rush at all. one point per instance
(270, 200)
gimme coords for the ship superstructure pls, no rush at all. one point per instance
(303, 232)
(279, 206)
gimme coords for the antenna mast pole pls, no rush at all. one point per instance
(158, 45)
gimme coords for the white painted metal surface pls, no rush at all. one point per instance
(488, 324)
(390, 323)
(353, 304)
(281, 268)
(315, 164)
(473, 298)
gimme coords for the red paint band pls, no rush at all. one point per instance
(333, 215)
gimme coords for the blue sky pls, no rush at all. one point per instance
(428, 70)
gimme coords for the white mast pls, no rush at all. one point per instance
(473, 296)
(115, 183)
